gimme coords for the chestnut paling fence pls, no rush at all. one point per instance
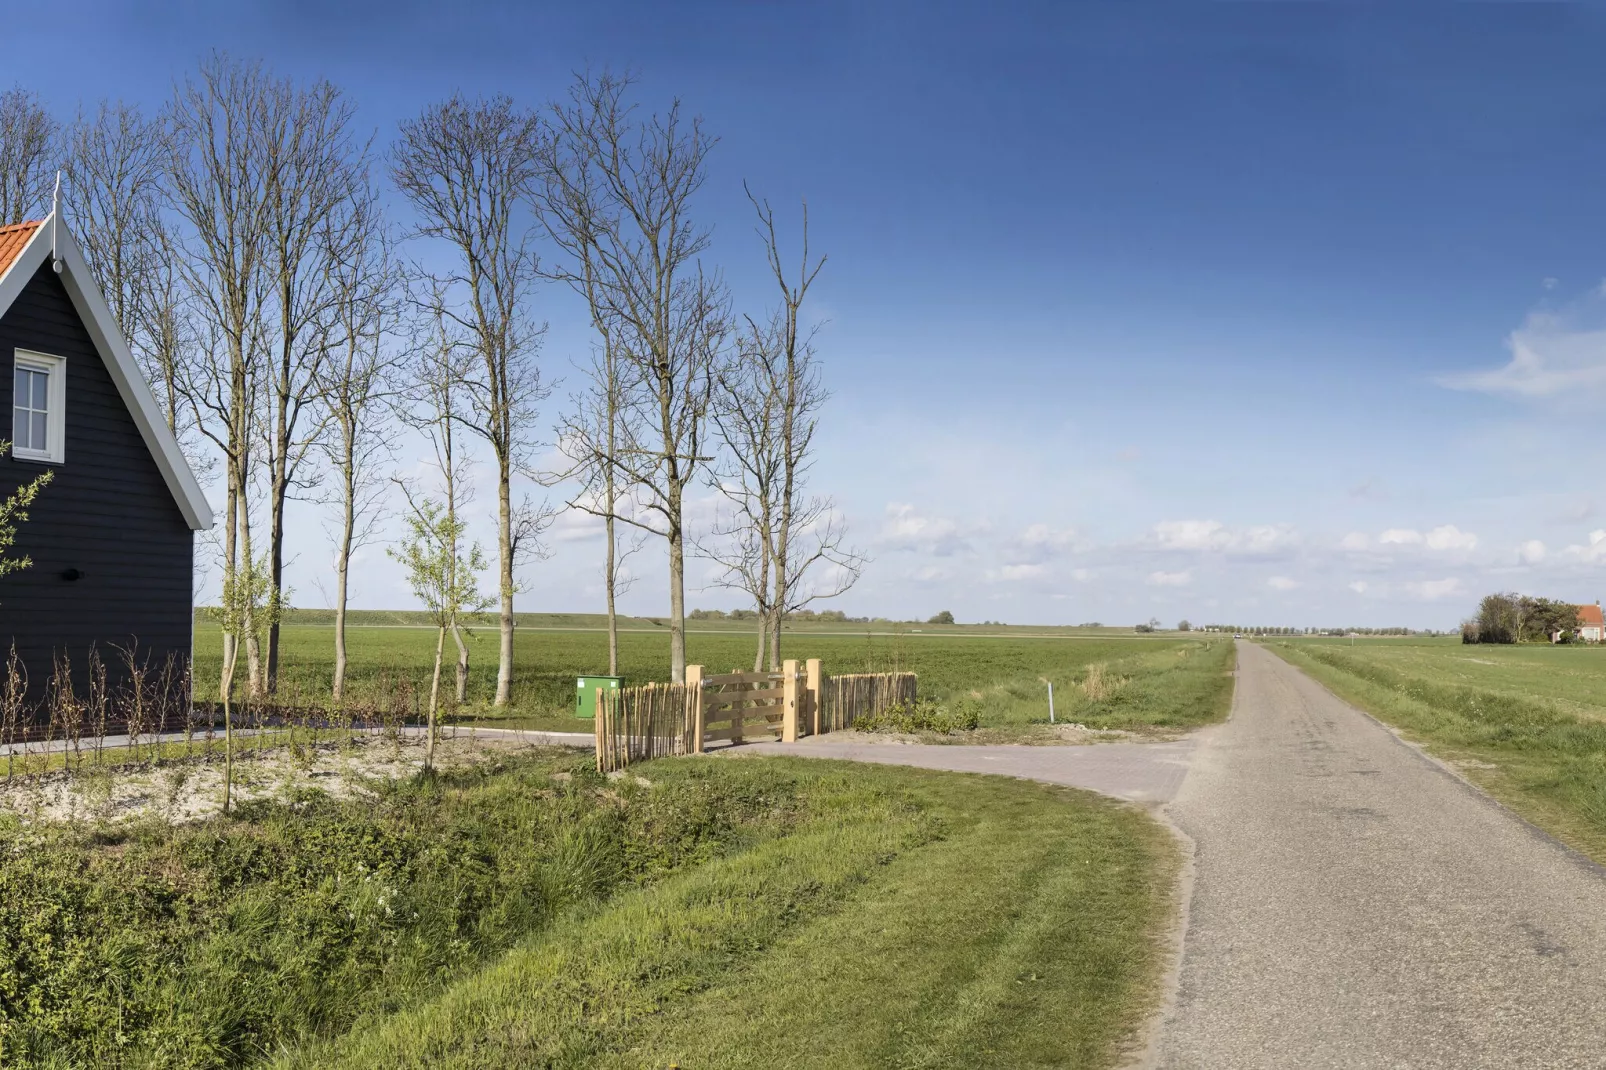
(637, 723)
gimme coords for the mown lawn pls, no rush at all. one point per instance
(915, 920)
(1526, 722)
(710, 912)
(1149, 681)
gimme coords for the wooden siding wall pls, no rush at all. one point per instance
(108, 513)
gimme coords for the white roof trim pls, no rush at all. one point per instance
(114, 353)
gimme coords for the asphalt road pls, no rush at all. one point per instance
(1356, 905)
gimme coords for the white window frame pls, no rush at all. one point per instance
(55, 451)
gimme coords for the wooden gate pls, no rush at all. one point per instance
(747, 706)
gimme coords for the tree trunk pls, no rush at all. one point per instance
(230, 640)
(677, 587)
(281, 489)
(462, 662)
(434, 699)
(228, 730)
(613, 619)
(348, 527)
(504, 538)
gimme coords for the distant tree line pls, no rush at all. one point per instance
(1520, 618)
(1256, 629)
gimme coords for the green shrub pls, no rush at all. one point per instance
(963, 715)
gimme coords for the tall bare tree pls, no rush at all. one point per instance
(28, 148)
(469, 167)
(319, 208)
(116, 162)
(779, 537)
(355, 388)
(590, 437)
(619, 193)
(219, 180)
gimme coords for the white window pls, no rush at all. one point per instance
(39, 408)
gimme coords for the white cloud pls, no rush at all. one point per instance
(1282, 583)
(1450, 537)
(1445, 537)
(1015, 573)
(1170, 579)
(1214, 535)
(907, 529)
(1595, 551)
(1531, 552)
(1432, 590)
(1192, 535)
(1268, 538)
(1552, 353)
(1050, 538)
(1358, 586)
(1081, 575)
(1355, 540)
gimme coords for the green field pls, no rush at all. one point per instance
(1526, 722)
(708, 912)
(1165, 681)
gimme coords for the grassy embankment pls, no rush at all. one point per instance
(1527, 723)
(1142, 682)
(729, 913)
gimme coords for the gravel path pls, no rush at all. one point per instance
(1147, 773)
(1355, 905)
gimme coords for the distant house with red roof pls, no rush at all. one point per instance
(1591, 625)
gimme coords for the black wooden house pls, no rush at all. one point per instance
(112, 536)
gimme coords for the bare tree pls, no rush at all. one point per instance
(468, 168)
(27, 152)
(354, 383)
(220, 189)
(116, 162)
(618, 200)
(432, 404)
(589, 438)
(319, 210)
(767, 413)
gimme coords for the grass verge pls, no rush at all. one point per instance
(1540, 757)
(914, 919)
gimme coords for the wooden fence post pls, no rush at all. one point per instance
(813, 666)
(694, 684)
(789, 690)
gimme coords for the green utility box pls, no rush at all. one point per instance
(585, 693)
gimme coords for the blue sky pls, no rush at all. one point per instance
(1283, 314)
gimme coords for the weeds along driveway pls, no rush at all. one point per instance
(1355, 904)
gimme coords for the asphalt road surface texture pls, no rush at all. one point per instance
(1353, 904)
(1356, 905)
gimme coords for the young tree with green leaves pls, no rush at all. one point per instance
(442, 576)
(14, 511)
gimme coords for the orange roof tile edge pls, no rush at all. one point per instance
(12, 240)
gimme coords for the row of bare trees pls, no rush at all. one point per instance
(288, 327)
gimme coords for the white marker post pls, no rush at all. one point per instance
(1050, 701)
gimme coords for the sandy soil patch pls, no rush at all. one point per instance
(191, 790)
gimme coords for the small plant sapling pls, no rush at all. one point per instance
(442, 576)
